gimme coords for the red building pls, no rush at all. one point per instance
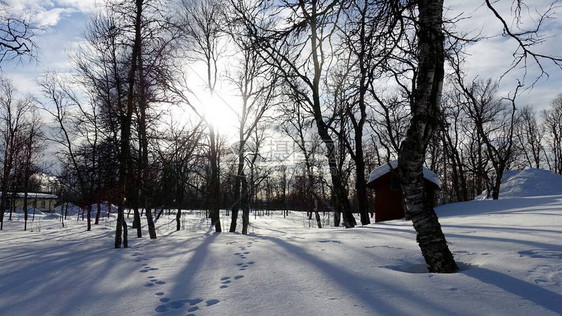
(388, 193)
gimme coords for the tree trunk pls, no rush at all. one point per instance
(361, 188)
(89, 216)
(341, 200)
(150, 222)
(137, 221)
(496, 186)
(239, 175)
(214, 191)
(25, 215)
(121, 228)
(318, 221)
(178, 220)
(245, 206)
(126, 118)
(63, 211)
(337, 218)
(425, 107)
(125, 238)
(98, 210)
(233, 218)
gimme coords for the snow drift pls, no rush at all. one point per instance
(530, 182)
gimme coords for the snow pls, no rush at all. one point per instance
(387, 167)
(530, 182)
(72, 209)
(509, 252)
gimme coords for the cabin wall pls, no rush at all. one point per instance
(388, 197)
(44, 205)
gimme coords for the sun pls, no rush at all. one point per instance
(219, 109)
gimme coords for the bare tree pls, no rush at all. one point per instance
(300, 51)
(178, 152)
(12, 123)
(425, 108)
(495, 122)
(552, 118)
(530, 137)
(33, 145)
(255, 83)
(16, 35)
(297, 125)
(59, 107)
(203, 33)
(452, 135)
(425, 102)
(102, 64)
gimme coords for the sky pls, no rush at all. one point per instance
(63, 22)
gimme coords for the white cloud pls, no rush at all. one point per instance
(50, 17)
(492, 57)
(85, 6)
(49, 13)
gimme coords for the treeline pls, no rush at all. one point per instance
(351, 84)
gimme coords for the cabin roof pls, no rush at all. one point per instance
(387, 167)
(33, 195)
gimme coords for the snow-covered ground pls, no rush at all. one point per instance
(509, 252)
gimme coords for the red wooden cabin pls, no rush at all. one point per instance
(388, 193)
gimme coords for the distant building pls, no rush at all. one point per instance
(43, 202)
(388, 191)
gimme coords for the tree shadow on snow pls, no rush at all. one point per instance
(359, 286)
(528, 291)
(192, 302)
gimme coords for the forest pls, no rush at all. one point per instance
(321, 93)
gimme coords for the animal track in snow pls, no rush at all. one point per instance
(547, 275)
(193, 304)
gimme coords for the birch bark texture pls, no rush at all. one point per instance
(425, 109)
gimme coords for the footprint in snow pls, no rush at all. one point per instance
(212, 302)
(156, 282)
(546, 275)
(332, 241)
(541, 254)
(192, 309)
(192, 304)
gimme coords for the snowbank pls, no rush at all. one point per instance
(30, 210)
(530, 182)
(74, 210)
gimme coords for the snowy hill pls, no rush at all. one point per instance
(509, 252)
(530, 182)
